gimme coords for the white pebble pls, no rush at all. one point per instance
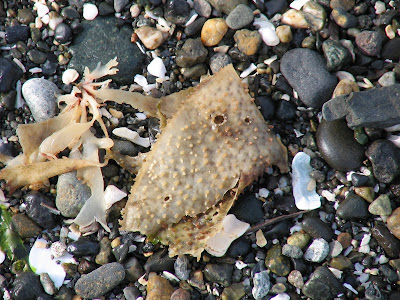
(335, 248)
(383, 259)
(387, 79)
(365, 240)
(380, 7)
(248, 71)
(267, 30)
(305, 199)
(90, 11)
(317, 251)
(263, 193)
(41, 9)
(132, 136)
(141, 116)
(2, 257)
(298, 4)
(157, 68)
(112, 194)
(336, 272)
(54, 20)
(58, 249)
(142, 81)
(348, 286)
(69, 75)
(282, 296)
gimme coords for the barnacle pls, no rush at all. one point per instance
(213, 144)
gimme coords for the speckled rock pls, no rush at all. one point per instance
(202, 7)
(385, 159)
(262, 285)
(159, 288)
(71, 194)
(296, 279)
(248, 41)
(218, 61)
(317, 251)
(322, 285)
(292, 251)
(370, 42)
(381, 206)
(343, 18)
(27, 286)
(151, 37)
(24, 226)
(213, 31)
(389, 243)
(226, 6)
(191, 53)
(100, 281)
(337, 56)
(315, 15)
(241, 16)
(299, 239)
(87, 51)
(219, 273)
(276, 262)
(315, 88)
(338, 147)
(353, 208)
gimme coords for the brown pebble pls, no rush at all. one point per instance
(295, 18)
(345, 239)
(158, 288)
(213, 31)
(248, 41)
(151, 37)
(284, 33)
(393, 222)
(180, 294)
(345, 87)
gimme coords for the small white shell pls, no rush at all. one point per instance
(69, 75)
(90, 11)
(157, 68)
(113, 194)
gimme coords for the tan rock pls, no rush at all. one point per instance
(248, 41)
(213, 31)
(295, 19)
(158, 288)
(151, 37)
(345, 87)
(284, 33)
(393, 222)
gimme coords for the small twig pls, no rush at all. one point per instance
(274, 220)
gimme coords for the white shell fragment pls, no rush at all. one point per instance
(41, 261)
(232, 229)
(69, 75)
(157, 68)
(305, 199)
(142, 81)
(90, 11)
(132, 136)
(298, 4)
(267, 30)
(2, 257)
(112, 194)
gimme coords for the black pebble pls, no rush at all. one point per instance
(83, 247)
(267, 106)
(17, 33)
(248, 209)
(36, 209)
(286, 110)
(239, 247)
(63, 33)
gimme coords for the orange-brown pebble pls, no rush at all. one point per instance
(248, 41)
(344, 238)
(158, 288)
(213, 31)
(151, 37)
(393, 222)
(284, 33)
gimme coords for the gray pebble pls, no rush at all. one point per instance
(370, 42)
(306, 72)
(317, 251)
(40, 95)
(131, 293)
(119, 5)
(322, 285)
(100, 281)
(181, 266)
(317, 228)
(219, 273)
(262, 285)
(218, 61)
(37, 56)
(191, 53)
(381, 206)
(292, 251)
(48, 284)
(177, 11)
(241, 16)
(194, 72)
(202, 7)
(337, 56)
(353, 208)
(71, 194)
(133, 269)
(10, 73)
(26, 286)
(195, 27)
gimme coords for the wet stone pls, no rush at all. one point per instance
(285, 111)
(71, 194)
(343, 18)
(119, 5)
(315, 15)
(388, 273)
(177, 11)
(48, 284)
(36, 209)
(63, 33)
(381, 206)
(191, 53)
(103, 257)
(40, 95)
(299, 239)
(241, 16)
(239, 248)
(100, 281)
(385, 159)
(82, 247)
(337, 56)
(159, 288)
(370, 42)
(120, 252)
(386, 240)
(359, 179)
(262, 285)
(202, 7)
(17, 33)
(130, 58)
(133, 269)
(248, 41)
(49, 68)
(70, 13)
(131, 293)
(195, 27)
(391, 49)
(194, 72)
(158, 262)
(317, 228)
(317, 251)
(315, 88)
(292, 251)
(221, 273)
(27, 286)
(353, 208)
(10, 73)
(373, 292)
(248, 209)
(322, 285)
(267, 106)
(182, 267)
(24, 226)
(340, 262)
(338, 147)
(276, 262)
(218, 61)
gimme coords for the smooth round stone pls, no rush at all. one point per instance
(17, 33)
(335, 248)
(180, 294)
(221, 273)
(276, 262)
(365, 192)
(103, 257)
(315, 15)
(322, 285)
(353, 208)
(261, 284)
(25, 16)
(194, 72)
(131, 293)
(40, 95)
(345, 239)
(192, 52)
(195, 27)
(292, 251)
(295, 18)
(125, 148)
(119, 5)
(296, 279)
(317, 251)
(389, 243)
(345, 87)
(235, 292)
(299, 239)
(391, 49)
(317, 228)
(63, 33)
(337, 56)
(306, 72)
(218, 61)
(159, 262)
(248, 41)
(393, 222)
(345, 4)
(284, 33)
(338, 147)
(151, 37)
(213, 31)
(133, 269)
(49, 68)
(370, 42)
(343, 18)
(10, 73)
(100, 281)
(240, 17)
(248, 209)
(87, 51)
(24, 226)
(177, 11)
(385, 159)
(70, 13)
(159, 288)
(38, 212)
(340, 262)
(37, 56)
(27, 286)
(202, 7)
(226, 6)
(381, 206)
(48, 284)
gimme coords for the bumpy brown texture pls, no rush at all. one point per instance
(216, 142)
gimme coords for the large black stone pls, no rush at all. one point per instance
(9, 74)
(100, 41)
(322, 285)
